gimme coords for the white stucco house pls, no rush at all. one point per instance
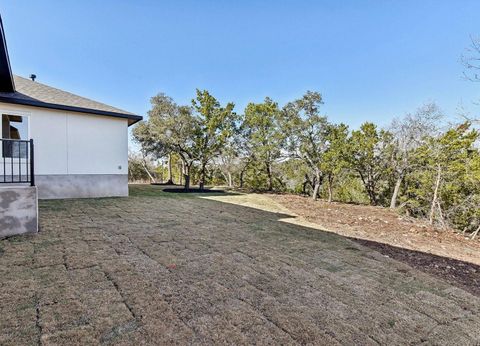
(81, 145)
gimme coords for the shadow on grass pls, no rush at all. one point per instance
(462, 274)
(458, 273)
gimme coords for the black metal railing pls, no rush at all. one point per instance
(17, 162)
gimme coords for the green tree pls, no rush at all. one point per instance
(169, 128)
(307, 132)
(229, 161)
(263, 135)
(215, 125)
(367, 157)
(446, 188)
(335, 158)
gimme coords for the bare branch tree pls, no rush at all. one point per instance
(471, 60)
(409, 133)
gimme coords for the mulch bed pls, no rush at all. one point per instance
(164, 184)
(192, 190)
(458, 273)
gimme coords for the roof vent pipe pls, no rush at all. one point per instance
(32, 77)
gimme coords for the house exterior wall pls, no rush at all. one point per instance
(76, 154)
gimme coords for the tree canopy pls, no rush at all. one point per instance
(418, 165)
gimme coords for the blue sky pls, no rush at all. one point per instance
(371, 60)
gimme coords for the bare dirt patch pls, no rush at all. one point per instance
(165, 268)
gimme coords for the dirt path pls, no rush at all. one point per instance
(161, 268)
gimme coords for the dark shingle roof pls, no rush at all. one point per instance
(36, 94)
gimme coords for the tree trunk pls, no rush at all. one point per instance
(330, 189)
(371, 194)
(182, 171)
(201, 183)
(148, 172)
(441, 214)
(225, 177)
(317, 186)
(269, 175)
(373, 198)
(228, 178)
(435, 193)
(474, 234)
(307, 182)
(169, 170)
(242, 174)
(369, 188)
(186, 175)
(396, 190)
(315, 190)
(304, 187)
(241, 178)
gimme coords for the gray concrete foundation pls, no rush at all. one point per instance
(18, 210)
(81, 185)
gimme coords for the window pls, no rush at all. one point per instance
(14, 127)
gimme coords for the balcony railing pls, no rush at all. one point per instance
(17, 162)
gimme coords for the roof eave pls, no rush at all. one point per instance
(132, 118)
